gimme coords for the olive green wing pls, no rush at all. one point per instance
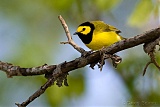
(111, 28)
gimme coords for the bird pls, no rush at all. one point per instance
(97, 34)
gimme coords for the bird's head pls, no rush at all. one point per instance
(84, 28)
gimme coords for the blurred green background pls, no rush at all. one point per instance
(30, 35)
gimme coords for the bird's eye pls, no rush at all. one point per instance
(83, 29)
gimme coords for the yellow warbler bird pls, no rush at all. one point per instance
(97, 34)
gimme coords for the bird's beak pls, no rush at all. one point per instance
(75, 33)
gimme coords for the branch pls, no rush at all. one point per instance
(70, 40)
(58, 73)
(12, 70)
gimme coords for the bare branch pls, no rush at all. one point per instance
(149, 48)
(154, 61)
(152, 57)
(43, 88)
(37, 93)
(70, 40)
(145, 68)
(12, 70)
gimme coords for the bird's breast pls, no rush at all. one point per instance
(103, 39)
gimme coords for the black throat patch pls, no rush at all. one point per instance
(86, 38)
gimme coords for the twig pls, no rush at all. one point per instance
(70, 40)
(145, 68)
(152, 57)
(149, 48)
(154, 61)
(37, 93)
(56, 73)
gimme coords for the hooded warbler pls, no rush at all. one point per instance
(97, 34)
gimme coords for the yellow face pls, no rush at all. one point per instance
(84, 30)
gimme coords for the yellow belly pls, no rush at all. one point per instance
(103, 39)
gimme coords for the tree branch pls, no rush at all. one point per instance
(59, 72)
(12, 70)
(70, 40)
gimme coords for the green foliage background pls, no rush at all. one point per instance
(34, 32)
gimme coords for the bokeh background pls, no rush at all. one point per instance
(30, 35)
